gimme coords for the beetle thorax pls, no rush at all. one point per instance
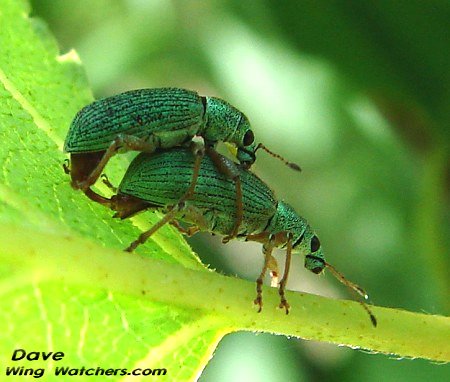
(287, 220)
(222, 120)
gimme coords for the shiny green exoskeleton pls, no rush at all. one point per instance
(148, 120)
(153, 119)
(165, 181)
(165, 117)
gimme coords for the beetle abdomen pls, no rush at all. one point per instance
(162, 178)
(137, 112)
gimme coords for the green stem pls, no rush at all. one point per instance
(402, 333)
(430, 219)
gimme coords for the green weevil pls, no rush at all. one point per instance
(151, 119)
(205, 200)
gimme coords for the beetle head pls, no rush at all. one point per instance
(304, 239)
(309, 244)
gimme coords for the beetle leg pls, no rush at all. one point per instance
(274, 272)
(190, 231)
(267, 251)
(231, 171)
(145, 235)
(125, 142)
(283, 302)
(97, 197)
(170, 215)
(262, 237)
(271, 241)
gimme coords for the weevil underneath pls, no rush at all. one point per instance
(205, 200)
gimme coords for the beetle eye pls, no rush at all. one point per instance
(248, 138)
(315, 244)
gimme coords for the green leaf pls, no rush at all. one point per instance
(65, 284)
(40, 93)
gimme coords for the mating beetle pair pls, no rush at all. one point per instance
(209, 192)
(152, 119)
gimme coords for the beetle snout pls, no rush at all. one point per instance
(246, 157)
(317, 270)
(314, 263)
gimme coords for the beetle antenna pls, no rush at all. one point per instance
(355, 289)
(292, 165)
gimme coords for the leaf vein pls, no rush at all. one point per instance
(37, 118)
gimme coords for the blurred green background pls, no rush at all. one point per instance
(355, 92)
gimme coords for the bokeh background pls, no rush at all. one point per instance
(355, 92)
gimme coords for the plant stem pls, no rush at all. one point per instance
(399, 332)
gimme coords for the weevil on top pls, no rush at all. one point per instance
(151, 119)
(204, 199)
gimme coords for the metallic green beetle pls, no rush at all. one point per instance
(206, 200)
(151, 119)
